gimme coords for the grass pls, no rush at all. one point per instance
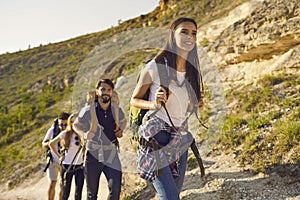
(264, 123)
(231, 137)
(263, 154)
(204, 42)
(288, 131)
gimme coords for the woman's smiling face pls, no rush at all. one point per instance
(185, 36)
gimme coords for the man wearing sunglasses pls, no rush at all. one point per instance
(53, 165)
(100, 124)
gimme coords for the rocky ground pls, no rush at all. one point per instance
(224, 180)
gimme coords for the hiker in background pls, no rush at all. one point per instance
(101, 122)
(71, 158)
(53, 167)
(172, 102)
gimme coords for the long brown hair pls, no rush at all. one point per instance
(193, 73)
(69, 131)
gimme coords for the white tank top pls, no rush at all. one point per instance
(73, 148)
(178, 100)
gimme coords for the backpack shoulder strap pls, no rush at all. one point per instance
(115, 109)
(93, 117)
(164, 75)
(56, 129)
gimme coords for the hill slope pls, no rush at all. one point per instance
(254, 49)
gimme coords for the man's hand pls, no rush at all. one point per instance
(89, 135)
(119, 133)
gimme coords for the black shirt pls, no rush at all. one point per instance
(106, 119)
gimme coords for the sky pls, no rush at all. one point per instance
(29, 23)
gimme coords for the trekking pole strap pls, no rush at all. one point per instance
(202, 124)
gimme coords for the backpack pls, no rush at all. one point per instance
(56, 131)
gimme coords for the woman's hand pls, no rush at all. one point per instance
(161, 95)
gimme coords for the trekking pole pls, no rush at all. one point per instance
(198, 157)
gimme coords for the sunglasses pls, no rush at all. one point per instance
(77, 140)
(63, 125)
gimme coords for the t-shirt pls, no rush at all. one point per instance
(106, 119)
(49, 136)
(178, 100)
(72, 150)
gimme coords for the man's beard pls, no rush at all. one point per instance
(105, 100)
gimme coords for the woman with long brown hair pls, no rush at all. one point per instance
(71, 157)
(172, 101)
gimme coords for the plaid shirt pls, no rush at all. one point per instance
(147, 163)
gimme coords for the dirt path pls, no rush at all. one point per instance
(223, 180)
(36, 189)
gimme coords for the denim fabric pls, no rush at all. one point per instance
(181, 168)
(79, 180)
(113, 174)
(165, 185)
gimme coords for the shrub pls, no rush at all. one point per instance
(270, 80)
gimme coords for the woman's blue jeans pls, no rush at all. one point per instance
(165, 185)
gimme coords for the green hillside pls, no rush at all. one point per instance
(37, 84)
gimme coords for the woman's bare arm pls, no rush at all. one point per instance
(53, 144)
(140, 90)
